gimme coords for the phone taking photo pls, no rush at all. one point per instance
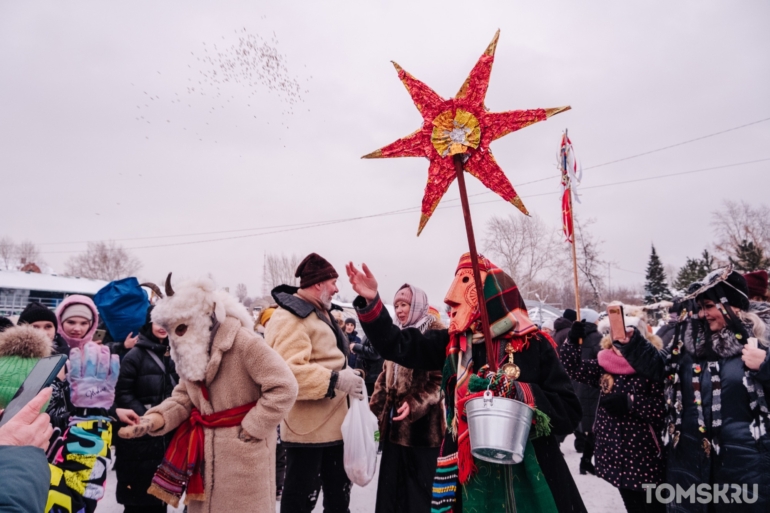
(41, 376)
(99, 335)
(617, 322)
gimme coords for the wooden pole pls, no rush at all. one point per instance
(572, 230)
(491, 356)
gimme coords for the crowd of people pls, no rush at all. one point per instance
(204, 405)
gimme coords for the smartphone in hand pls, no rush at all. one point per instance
(41, 376)
(617, 323)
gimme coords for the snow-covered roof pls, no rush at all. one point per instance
(49, 282)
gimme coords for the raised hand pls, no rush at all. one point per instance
(364, 283)
(130, 341)
(148, 423)
(93, 373)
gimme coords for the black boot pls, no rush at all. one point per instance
(586, 466)
(580, 440)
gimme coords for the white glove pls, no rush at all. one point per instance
(350, 382)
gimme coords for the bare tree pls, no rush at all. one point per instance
(28, 253)
(103, 261)
(15, 256)
(737, 223)
(279, 269)
(525, 247)
(241, 292)
(8, 254)
(589, 262)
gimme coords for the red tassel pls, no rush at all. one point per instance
(465, 465)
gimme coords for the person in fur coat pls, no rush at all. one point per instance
(629, 417)
(716, 379)
(233, 391)
(407, 403)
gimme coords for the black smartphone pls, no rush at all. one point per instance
(41, 376)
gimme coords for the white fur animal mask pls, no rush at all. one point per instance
(187, 315)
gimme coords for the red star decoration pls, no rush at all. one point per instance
(460, 125)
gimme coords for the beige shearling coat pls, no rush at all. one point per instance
(309, 346)
(239, 475)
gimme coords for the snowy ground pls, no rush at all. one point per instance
(598, 495)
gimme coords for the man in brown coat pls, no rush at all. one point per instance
(303, 332)
(233, 392)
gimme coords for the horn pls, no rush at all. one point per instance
(153, 288)
(169, 290)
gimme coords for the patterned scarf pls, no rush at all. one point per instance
(690, 337)
(182, 466)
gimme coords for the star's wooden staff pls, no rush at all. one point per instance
(462, 128)
(570, 176)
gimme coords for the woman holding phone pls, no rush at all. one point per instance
(716, 379)
(629, 417)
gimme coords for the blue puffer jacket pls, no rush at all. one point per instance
(741, 459)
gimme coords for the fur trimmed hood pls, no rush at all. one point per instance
(25, 342)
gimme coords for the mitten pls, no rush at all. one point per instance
(577, 332)
(93, 373)
(350, 382)
(617, 404)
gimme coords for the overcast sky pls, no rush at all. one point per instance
(78, 165)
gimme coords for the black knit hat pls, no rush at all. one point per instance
(5, 323)
(314, 269)
(570, 314)
(37, 312)
(350, 320)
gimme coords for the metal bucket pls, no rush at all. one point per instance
(498, 428)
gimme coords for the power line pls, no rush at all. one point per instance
(678, 144)
(311, 224)
(303, 226)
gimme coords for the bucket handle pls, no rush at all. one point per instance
(488, 398)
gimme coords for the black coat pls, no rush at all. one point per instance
(628, 448)
(141, 385)
(561, 328)
(666, 333)
(540, 367)
(588, 395)
(741, 458)
(369, 360)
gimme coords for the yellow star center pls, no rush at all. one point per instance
(453, 134)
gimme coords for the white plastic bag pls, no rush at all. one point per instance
(359, 433)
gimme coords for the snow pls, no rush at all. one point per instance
(598, 495)
(49, 282)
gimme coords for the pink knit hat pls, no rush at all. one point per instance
(404, 294)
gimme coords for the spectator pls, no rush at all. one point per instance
(629, 418)
(43, 318)
(757, 284)
(586, 334)
(716, 383)
(561, 327)
(408, 405)
(77, 320)
(350, 331)
(303, 333)
(147, 377)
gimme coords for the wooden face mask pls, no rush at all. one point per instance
(463, 300)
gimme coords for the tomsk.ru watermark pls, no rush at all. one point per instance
(703, 493)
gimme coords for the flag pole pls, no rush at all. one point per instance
(572, 230)
(491, 357)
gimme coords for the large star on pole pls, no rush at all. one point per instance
(460, 125)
